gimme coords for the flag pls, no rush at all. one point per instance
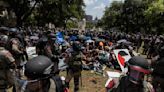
(122, 56)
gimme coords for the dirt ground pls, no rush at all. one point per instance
(91, 82)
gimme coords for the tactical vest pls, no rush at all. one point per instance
(6, 78)
(75, 64)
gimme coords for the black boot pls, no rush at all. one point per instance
(67, 85)
(76, 89)
(76, 84)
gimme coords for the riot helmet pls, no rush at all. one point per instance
(76, 46)
(138, 67)
(4, 30)
(3, 40)
(13, 32)
(38, 67)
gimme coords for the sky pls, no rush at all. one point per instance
(96, 7)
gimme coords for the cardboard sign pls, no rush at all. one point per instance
(122, 56)
(113, 80)
(112, 74)
(62, 65)
(31, 52)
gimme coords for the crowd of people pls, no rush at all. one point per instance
(77, 51)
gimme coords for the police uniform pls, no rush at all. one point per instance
(6, 77)
(39, 72)
(16, 50)
(74, 70)
(51, 53)
(158, 74)
(133, 82)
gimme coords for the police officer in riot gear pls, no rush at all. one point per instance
(38, 69)
(158, 72)
(158, 56)
(75, 66)
(7, 64)
(39, 72)
(158, 76)
(46, 47)
(134, 81)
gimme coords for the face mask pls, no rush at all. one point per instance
(136, 75)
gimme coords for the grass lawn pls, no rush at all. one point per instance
(91, 82)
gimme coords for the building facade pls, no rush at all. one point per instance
(89, 18)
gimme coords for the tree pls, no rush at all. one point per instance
(112, 15)
(42, 12)
(131, 16)
(89, 25)
(155, 15)
(71, 24)
(61, 11)
(22, 9)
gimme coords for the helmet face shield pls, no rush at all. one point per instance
(136, 75)
(38, 67)
(139, 69)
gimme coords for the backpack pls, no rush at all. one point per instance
(75, 64)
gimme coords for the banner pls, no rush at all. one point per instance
(122, 56)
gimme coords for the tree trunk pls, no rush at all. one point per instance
(18, 21)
